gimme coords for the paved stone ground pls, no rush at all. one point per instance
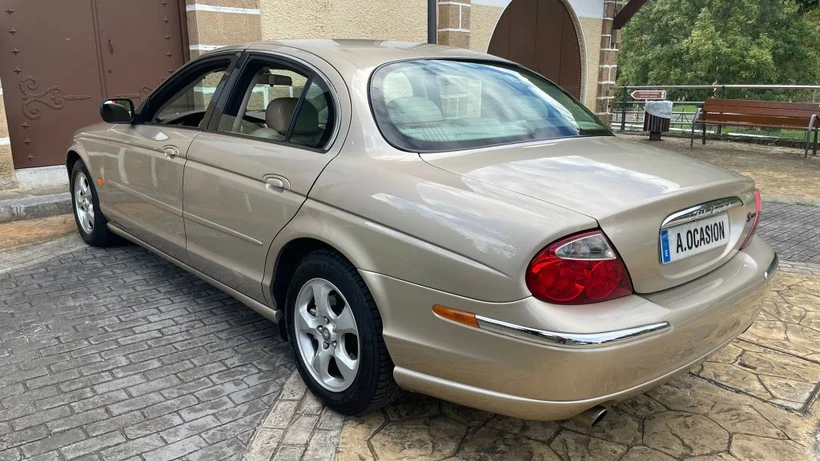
(115, 354)
(792, 230)
(777, 171)
(298, 427)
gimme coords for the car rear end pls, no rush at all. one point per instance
(538, 360)
(668, 272)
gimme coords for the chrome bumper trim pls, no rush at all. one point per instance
(704, 210)
(770, 271)
(571, 340)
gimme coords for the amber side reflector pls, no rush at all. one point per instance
(464, 318)
(100, 181)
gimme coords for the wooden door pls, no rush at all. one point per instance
(57, 65)
(541, 35)
(141, 44)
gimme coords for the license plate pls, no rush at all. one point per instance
(693, 238)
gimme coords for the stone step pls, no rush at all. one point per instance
(30, 206)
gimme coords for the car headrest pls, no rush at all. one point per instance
(413, 110)
(280, 111)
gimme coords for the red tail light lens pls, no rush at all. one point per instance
(755, 220)
(580, 269)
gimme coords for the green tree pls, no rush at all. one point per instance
(721, 41)
(807, 5)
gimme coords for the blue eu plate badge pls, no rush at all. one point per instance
(665, 255)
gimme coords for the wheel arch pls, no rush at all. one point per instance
(286, 261)
(71, 158)
(77, 153)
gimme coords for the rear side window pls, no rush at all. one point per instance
(441, 105)
(275, 101)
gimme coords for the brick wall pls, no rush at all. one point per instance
(608, 66)
(454, 23)
(215, 23)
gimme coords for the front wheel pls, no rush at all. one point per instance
(335, 331)
(91, 224)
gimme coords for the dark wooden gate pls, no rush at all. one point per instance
(59, 59)
(541, 35)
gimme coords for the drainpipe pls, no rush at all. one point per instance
(431, 21)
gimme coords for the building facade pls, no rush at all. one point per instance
(58, 66)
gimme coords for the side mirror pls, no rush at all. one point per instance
(117, 110)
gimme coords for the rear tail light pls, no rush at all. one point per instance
(755, 219)
(580, 269)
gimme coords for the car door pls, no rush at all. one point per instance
(144, 168)
(248, 176)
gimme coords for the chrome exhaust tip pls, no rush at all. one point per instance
(592, 417)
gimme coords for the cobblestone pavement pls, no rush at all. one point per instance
(115, 354)
(792, 230)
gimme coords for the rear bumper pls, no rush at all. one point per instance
(530, 371)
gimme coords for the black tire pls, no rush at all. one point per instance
(373, 386)
(99, 235)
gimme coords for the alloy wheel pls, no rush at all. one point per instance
(83, 203)
(327, 335)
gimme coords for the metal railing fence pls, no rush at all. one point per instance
(628, 113)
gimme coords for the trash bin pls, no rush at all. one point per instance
(656, 119)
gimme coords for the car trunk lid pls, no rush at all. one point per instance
(629, 188)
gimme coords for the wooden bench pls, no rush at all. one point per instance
(759, 114)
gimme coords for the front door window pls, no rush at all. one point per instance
(188, 98)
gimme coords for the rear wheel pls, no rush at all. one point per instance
(335, 331)
(91, 224)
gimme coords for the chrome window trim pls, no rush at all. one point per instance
(571, 340)
(700, 211)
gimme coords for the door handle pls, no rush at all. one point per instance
(170, 152)
(274, 184)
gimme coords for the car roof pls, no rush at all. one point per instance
(364, 54)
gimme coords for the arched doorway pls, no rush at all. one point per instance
(541, 34)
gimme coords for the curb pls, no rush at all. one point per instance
(789, 200)
(34, 207)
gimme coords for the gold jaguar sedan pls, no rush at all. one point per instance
(431, 219)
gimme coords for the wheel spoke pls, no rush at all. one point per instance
(321, 362)
(347, 366)
(345, 323)
(321, 293)
(305, 322)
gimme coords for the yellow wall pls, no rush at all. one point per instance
(591, 29)
(403, 20)
(6, 164)
(483, 19)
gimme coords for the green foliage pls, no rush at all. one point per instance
(808, 5)
(721, 41)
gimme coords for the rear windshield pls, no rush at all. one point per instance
(436, 105)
